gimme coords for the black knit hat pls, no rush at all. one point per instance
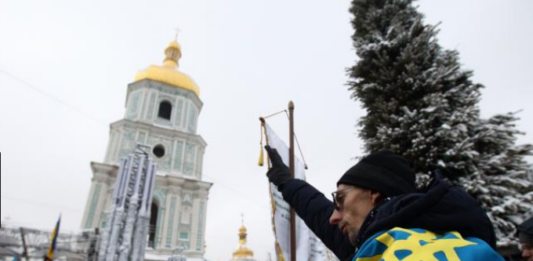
(525, 231)
(382, 171)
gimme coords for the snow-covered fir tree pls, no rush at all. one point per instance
(419, 102)
(502, 183)
(422, 105)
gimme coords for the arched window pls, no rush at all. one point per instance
(165, 110)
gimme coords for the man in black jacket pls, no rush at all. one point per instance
(377, 213)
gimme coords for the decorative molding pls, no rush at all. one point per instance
(141, 137)
(179, 112)
(192, 118)
(161, 196)
(187, 198)
(178, 155)
(170, 225)
(150, 113)
(126, 124)
(173, 189)
(159, 226)
(189, 159)
(185, 113)
(104, 172)
(127, 145)
(165, 88)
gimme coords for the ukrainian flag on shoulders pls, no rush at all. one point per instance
(53, 242)
(419, 244)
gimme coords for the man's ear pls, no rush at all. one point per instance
(375, 197)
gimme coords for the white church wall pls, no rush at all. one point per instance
(134, 105)
(141, 137)
(183, 153)
(163, 163)
(144, 98)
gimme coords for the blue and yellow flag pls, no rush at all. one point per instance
(53, 241)
(419, 244)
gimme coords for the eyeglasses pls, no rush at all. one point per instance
(338, 198)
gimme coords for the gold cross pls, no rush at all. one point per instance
(177, 32)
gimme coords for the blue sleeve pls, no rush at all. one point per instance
(315, 209)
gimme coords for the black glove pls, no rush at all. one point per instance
(279, 173)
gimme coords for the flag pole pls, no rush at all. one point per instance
(24, 245)
(292, 170)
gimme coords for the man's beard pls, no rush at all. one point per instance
(352, 236)
(350, 233)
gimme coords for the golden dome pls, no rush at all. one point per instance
(243, 251)
(174, 44)
(242, 230)
(168, 73)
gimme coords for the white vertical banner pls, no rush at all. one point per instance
(308, 246)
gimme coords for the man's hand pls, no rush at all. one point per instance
(279, 174)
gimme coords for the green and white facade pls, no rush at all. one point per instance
(163, 116)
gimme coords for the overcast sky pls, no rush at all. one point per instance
(65, 66)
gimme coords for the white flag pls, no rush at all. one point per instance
(308, 246)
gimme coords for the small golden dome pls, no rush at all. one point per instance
(243, 252)
(168, 73)
(174, 44)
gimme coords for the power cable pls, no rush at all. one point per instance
(52, 97)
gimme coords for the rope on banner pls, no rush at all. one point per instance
(261, 153)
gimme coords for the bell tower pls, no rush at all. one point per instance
(162, 109)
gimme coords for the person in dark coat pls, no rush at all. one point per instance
(525, 237)
(377, 213)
